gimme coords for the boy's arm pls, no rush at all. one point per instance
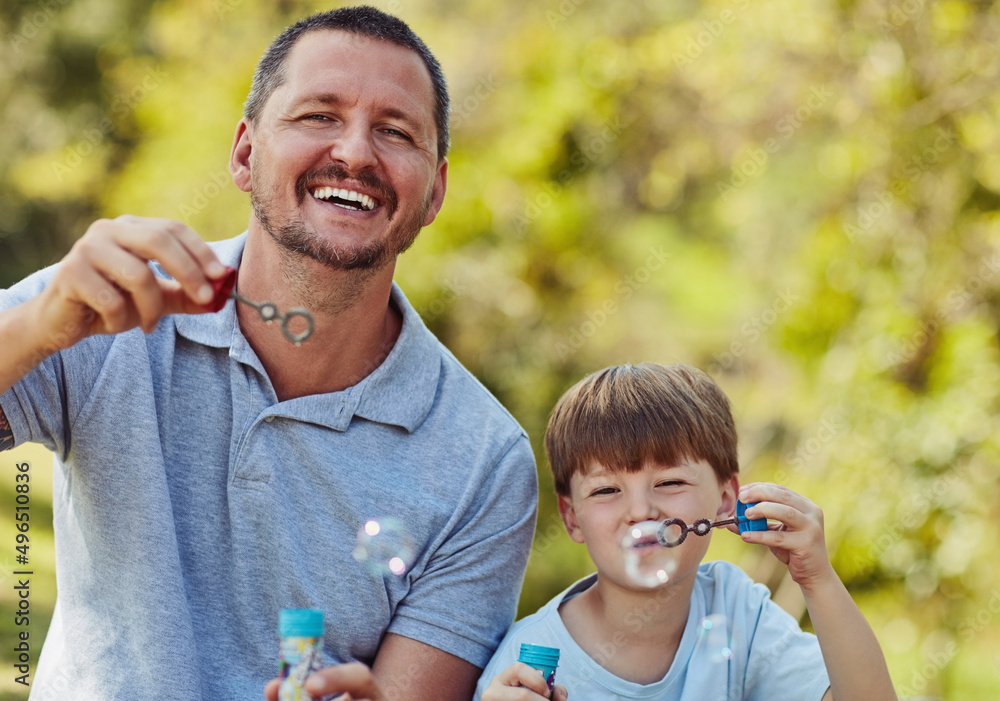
(851, 652)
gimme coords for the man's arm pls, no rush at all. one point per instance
(404, 670)
(409, 670)
(104, 285)
(6, 435)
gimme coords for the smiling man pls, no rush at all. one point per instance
(209, 473)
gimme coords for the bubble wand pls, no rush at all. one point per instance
(673, 531)
(225, 289)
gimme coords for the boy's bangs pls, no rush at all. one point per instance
(625, 437)
(626, 416)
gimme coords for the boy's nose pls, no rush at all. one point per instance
(642, 508)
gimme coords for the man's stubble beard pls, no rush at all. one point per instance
(297, 242)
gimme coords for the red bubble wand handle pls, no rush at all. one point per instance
(225, 289)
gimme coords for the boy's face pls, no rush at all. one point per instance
(604, 505)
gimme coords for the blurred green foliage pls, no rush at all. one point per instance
(800, 196)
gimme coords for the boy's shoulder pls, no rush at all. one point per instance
(546, 622)
(543, 627)
(725, 577)
(731, 621)
(725, 589)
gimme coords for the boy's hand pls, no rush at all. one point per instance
(519, 682)
(798, 539)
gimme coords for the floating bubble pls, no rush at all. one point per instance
(647, 562)
(713, 637)
(384, 546)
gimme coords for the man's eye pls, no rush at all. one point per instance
(396, 132)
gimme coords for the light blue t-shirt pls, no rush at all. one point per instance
(190, 506)
(737, 645)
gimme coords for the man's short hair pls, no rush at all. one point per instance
(626, 416)
(364, 21)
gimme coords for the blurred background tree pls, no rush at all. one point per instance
(799, 196)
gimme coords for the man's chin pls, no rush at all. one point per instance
(298, 239)
(342, 258)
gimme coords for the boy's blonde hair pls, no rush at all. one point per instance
(627, 415)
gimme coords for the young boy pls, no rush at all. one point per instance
(645, 443)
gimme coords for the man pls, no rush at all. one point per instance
(209, 473)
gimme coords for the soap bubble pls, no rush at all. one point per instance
(384, 546)
(713, 637)
(647, 562)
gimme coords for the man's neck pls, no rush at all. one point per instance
(355, 326)
(633, 635)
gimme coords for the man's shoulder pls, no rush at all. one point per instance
(467, 389)
(229, 249)
(459, 392)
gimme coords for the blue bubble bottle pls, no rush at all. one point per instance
(544, 659)
(301, 650)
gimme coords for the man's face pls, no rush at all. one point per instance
(342, 162)
(603, 506)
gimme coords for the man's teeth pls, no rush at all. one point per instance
(329, 193)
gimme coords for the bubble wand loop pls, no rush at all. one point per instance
(673, 531)
(225, 289)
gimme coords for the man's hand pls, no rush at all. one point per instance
(519, 682)
(104, 284)
(797, 539)
(404, 670)
(353, 682)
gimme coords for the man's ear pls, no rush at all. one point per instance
(239, 156)
(438, 188)
(727, 504)
(568, 514)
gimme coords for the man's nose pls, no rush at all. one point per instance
(353, 148)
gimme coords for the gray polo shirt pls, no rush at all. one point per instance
(190, 506)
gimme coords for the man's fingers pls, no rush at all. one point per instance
(134, 277)
(114, 313)
(176, 300)
(177, 248)
(352, 678)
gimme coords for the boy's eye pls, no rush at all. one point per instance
(671, 483)
(603, 490)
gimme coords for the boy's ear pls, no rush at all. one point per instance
(568, 514)
(727, 504)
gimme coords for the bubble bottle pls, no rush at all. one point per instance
(544, 659)
(301, 650)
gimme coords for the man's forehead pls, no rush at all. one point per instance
(324, 55)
